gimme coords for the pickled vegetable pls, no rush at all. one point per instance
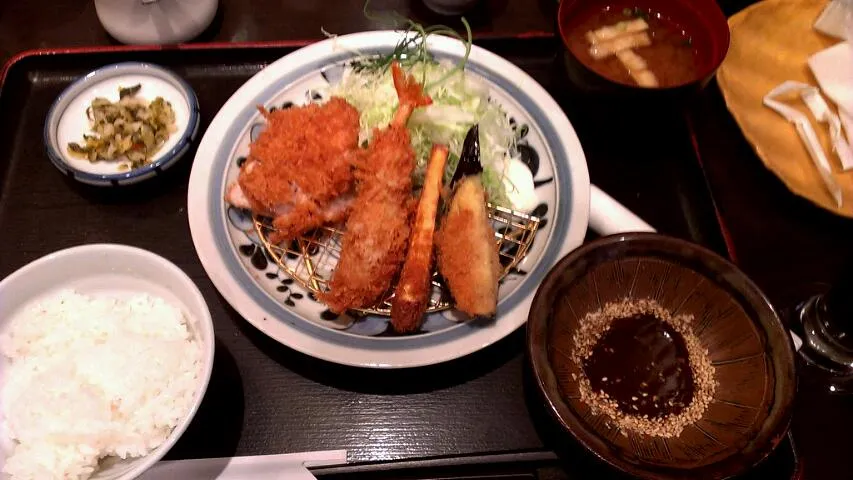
(130, 130)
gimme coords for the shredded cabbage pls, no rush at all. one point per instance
(459, 101)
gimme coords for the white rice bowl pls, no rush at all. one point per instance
(127, 324)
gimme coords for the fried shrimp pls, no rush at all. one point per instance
(377, 231)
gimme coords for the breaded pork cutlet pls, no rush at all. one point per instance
(299, 169)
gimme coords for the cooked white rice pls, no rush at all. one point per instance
(94, 376)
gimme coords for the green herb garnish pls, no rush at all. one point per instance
(412, 48)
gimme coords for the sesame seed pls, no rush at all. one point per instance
(595, 324)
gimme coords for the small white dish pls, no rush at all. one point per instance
(67, 121)
(116, 270)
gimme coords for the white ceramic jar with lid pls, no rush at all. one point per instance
(155, 21)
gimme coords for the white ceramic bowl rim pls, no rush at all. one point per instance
(108, 71)
(203, 320)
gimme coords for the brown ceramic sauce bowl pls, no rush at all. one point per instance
(750, 350)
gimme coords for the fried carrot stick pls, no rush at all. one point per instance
(414, 287)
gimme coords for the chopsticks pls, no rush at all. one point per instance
(290, 466)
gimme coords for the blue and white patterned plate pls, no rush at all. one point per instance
(271, 301)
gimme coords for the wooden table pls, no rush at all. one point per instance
(784, 243)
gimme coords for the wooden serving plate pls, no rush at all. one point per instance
(771, 42)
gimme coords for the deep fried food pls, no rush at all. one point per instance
(467, 252)
(299, 168)
(377, 231)
(378, 228)
(414, 287)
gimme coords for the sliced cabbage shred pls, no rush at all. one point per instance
(459, 101)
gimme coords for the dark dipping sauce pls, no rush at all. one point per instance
(642, 354)
(672, 56)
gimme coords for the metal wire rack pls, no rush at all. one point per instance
(311, 258)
